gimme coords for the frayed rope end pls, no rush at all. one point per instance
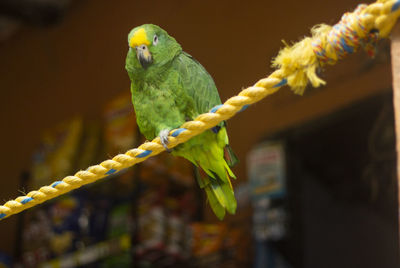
(299, 62)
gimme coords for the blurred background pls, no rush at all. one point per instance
(316, 180)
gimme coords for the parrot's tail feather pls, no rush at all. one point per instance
(229, 174)
(219, 192)
(207, 152)
(228, 195)
(218, 210)
(230, 156)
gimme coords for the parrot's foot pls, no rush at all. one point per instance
(164, 139)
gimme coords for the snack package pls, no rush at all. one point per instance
(120, 220)
(33, 258)
(175, 227)
(123, 260)
(174, 235)
(207, 244)
(207, 238)
(64, 215)
(57, 152)
(35, 237)
(89, 147)
(120, 130)
(36, 231)
(269, 220)
(267, 189)
(96, 218)
(235, 248)
(266, 171)
(152, 229)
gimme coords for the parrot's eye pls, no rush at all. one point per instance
(155, 40)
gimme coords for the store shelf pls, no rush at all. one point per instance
(91, 254)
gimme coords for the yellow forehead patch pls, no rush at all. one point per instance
(139, 38)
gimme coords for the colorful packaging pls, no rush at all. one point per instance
(207, 238)
(37, 230)
(35, 237)
(64, 216)
(235, 246)
(121, 261)
(152, 230)
(120, 220)
(89, 146)
(57, 152)
(267, 183)
(266, 170)
(120, 131)
(175, 229)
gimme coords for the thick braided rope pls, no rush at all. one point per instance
(361, 28)
(297, 66)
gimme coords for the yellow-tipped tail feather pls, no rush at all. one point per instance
(219, 193)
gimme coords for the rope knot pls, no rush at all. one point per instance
(345, 38)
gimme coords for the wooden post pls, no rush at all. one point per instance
(395, 51)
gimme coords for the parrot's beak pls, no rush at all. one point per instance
(140, 42)
(144, 56)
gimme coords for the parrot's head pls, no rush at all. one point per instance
(150, 47)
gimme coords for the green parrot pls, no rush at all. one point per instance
(169, 87)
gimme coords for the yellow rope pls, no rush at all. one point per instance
(297, 65)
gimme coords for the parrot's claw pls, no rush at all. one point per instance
(164, 139)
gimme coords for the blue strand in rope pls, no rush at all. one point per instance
(346, 47)
(56, 183)
(213, 110)
(244, 107)
(144, 154)
(111, 171)
(177, 132)
(281, 83)
(2, 215)
(395, 6)
(26, 200)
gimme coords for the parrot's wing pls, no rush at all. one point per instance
(197, 83)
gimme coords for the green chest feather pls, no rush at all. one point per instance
(160, 104)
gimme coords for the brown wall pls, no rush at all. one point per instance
(48, 75)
